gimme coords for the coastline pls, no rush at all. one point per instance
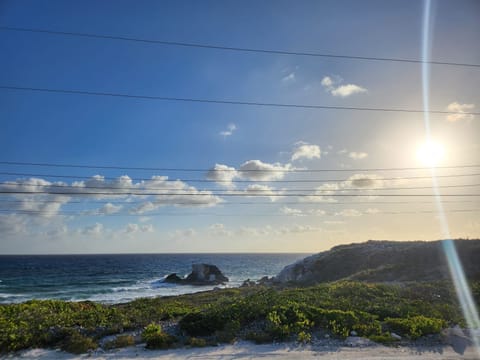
(279, 351)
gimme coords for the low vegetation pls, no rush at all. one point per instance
(259, 314)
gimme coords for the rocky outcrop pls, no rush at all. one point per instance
(383, 261)
(202, 274)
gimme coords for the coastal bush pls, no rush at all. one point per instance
(416, 326)
(284, 321)
(259, 337)
(156, 338)
(120, 341)
(77, 343)
(196, 342)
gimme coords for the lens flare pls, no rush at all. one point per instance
(462, 289)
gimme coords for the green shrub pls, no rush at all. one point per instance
(284, 321)
(156, 338)
(196, 342)
(384, 338)
(77, 343)
(119, 342)
(415, 326)
(203, 323)
(259, 337)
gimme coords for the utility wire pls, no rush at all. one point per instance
(125, 202)
(230, 102)
(15, 192)
(245, 181)
(233, 48)
(87, 213)
(116, 167)
(233, 191)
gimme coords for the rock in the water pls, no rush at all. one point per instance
(205, 274)
(173, 278)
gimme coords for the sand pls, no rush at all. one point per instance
(245, 350)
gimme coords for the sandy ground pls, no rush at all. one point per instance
(246, 350)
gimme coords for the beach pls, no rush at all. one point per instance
(247, 350)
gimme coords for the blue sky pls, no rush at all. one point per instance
(73, 129)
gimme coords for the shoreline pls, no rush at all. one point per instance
(278, 351)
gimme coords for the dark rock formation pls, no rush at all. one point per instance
(205, 274)
(202, 274)
(173, 278)
(383, 261)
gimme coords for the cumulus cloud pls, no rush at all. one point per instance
(460, 109)
(109, 208)
(13, 224)
(135, 228)
(223, 175)
(93, 230)
(347, 90)
(262, 190)
(258, 170)
(364, 181)
(291, 211)
(229, 131)
(220, 230)
(335, 88)
(357, 155)
(304, 150)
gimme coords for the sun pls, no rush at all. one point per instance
(431, 153)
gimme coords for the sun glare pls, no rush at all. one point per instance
(431, 153)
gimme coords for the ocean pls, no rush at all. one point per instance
(122, 278)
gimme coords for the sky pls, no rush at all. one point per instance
(147, 175)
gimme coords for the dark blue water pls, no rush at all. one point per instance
(119, 278)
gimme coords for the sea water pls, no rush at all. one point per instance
(122, 278)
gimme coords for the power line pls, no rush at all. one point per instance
(233, 191)
(86, 213)
(219, 194)
(124, 202)
(233, 48)
(246, 181)
(230, 102)
(117, 167)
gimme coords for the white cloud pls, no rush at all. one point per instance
(364, 181)
(347, 90)
(223, 175)
(460, 109)
(262, 190)
(349, 213)
(334, 87)
(372, 211)
(109, 208)
(289, 78)
(220, 230)
(230, 129)
(327, 82)
(304, 150)
(291, 211)
(94, 230)
(183, 233)
(357, 155)
(135, 228)
(258, 170)
(13, 224)
(144, 207)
